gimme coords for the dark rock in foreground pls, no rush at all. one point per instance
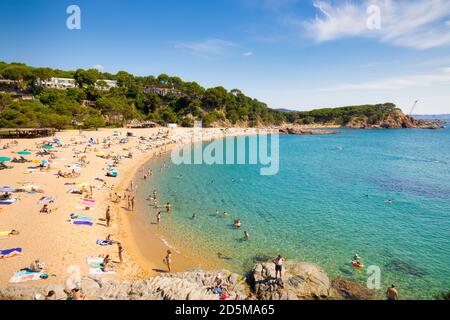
(349, 290)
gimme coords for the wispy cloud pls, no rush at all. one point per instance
(247, 54)
(394, 83)
(99, 67)
(418, 24)
(206, 48)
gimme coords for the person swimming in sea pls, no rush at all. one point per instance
(356, 257)
(246, 236)
(222, 256)
(194, 216)
(237, 223)
(389, 201)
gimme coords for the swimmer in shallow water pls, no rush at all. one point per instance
(222, 256)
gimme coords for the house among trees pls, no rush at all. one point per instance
(57, 83)
(67, 83)
(161, 91)
(105, 84)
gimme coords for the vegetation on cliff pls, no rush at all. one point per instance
(88, 106)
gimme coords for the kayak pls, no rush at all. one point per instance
(357, 264)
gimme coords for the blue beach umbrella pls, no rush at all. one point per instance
(24, 153)
(7, 189)
(5, 159)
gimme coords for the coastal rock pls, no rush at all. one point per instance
(192, 285)
(396, 119)
(349, 290)
(300, 281)
(304, 132)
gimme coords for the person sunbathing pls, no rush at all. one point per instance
(45, 209)
(75, 294)
(107, 264)
(37, 266)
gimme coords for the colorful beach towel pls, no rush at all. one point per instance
(88, 202)
(7, 202)
(81, 223)
(78, 217)
(5, 235)
(104, 243)
(24, 276)
(10, 253)
(96, 266)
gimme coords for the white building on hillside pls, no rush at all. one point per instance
(57, 83)
(66, 83)
(106, 84)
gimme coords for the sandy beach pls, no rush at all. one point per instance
(62, 245)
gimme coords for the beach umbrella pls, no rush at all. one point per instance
(36, 161)
(7, 189)
(5, 159)
(47, 147)
(24, 153)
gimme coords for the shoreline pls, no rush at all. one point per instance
(149, 257)
(61, 245)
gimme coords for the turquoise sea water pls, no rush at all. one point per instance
(326, 203)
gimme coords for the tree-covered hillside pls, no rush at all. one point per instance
(89, 106)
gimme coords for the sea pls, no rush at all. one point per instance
(381, 194)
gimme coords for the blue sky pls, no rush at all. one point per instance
(296, 54)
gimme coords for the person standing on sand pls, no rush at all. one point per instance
(392, 293)
(278, 261)
(132, 203)
(108, 216)
(158, 217)
(168, 259)
(120, 251)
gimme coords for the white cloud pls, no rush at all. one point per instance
(396, 83)
(247, 54)
(206, 48)
(419, 24)
(99, 67)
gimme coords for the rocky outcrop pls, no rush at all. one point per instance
(304, 132)
(299, 281)
(396, 119)
(192, 285)
(349, 290)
